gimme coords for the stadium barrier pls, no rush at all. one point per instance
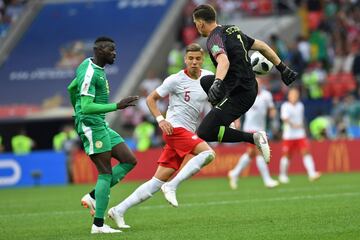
(34, 169)
(329, 156)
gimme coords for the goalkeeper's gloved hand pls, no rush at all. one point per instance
(216, 92)
(287, 74)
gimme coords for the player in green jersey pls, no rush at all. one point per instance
(89, 94)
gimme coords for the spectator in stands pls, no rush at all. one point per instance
(22, 144)
(303, 47)
(352, 114)
(14, 9)
(296, 59)
(319, 127)
(319, 46)
(1, 144)
(279, 47)
(337, 110)
(150, 83)
(65, 140)
(130, 118)
(143, 133)
(313, 79)
(175, 59)
(346, 116)
(142, 108)
(10, 10)
(356, 68)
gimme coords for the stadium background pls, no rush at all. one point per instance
(43, 41)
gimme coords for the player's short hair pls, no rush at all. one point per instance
(205, 12)
(194, 47)
(103, 39)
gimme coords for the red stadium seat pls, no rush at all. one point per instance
(338, 85)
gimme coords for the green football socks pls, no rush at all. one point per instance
(118, 173)
(102, 194)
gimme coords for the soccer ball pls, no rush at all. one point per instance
(260, 64)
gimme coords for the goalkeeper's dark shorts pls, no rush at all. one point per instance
(231, 107)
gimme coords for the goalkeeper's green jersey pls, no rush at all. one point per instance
(91, 81)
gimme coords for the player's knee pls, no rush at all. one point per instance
(105, 170)
(131, 160)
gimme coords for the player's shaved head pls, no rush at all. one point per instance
(194, 47)
(104, 51)
(102, 42)
(205, 12)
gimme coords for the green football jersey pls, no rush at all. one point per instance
(91, 81)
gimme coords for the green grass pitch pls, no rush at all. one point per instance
(326, 209)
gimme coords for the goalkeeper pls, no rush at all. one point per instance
(233, 89)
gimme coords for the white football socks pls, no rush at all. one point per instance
(284, 164)
(142, 193)
(241, 165)
(192, 166)
(309, 165)
(263, 169)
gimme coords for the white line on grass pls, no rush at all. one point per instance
(197, 204)
(242, 192)
(293, 198)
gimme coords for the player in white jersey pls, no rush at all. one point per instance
(255, 120)
(294, 137)
(187, 99)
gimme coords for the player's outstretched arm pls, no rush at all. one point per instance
(89, 107)
(287, 74)
(72, 92)
(151, 100)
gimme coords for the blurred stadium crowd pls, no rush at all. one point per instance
(10, 10)
(326, 54)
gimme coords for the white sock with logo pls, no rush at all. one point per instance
(309, 165)
(284, 164)
(241, 165)
(192, 166)
(263, 169)
(142, 193)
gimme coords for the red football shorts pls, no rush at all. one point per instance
(294, 145)
(178, 145)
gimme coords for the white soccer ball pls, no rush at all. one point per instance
(260, 64)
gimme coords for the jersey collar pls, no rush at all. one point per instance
(187, 74)
(95, 64)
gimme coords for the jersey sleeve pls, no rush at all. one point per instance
(284, 112)
(216, 45)
(88, 81)
(166, 87)
(248, 41)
